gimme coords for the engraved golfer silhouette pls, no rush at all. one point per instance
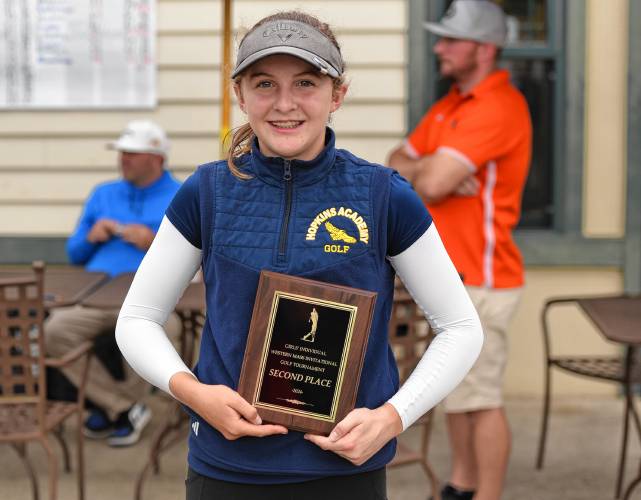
(311, 335)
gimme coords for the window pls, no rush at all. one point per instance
(534, 57)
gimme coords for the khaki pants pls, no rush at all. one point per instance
(482, 387)
(67, 327)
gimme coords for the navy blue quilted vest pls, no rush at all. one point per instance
(278, 221)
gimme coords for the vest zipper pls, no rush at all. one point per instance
(287, 177)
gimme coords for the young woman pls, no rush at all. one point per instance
(266, 207)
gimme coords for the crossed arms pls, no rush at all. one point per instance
(435, 176)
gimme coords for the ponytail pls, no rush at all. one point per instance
(241, 141)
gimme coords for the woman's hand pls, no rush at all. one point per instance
(222, 407)
(361, 433)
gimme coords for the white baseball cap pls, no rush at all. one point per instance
(142, 136)
(478, 20)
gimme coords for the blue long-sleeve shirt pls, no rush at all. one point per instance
(126, 204)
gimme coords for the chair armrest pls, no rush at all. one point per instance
(73, 355)
(548, 305)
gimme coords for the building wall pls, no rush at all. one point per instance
(51, 159)
(605, 142)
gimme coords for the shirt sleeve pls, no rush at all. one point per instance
(417, 140)
(79, 248)
(407, 217)
(184, 210)
(163, 275)
(479, 137)
(430, 277)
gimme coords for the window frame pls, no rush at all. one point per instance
(632, 249)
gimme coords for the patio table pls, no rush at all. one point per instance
(111, 294)
(63, 286)
(619, 320)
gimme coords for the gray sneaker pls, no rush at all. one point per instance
(129, 425)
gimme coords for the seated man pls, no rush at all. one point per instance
(117, 226)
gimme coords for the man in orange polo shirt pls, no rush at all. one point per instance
(468, 158)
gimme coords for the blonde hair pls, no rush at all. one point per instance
(242, 137)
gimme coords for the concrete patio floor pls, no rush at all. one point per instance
(581, 462)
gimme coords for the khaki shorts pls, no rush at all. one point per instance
(482, 387)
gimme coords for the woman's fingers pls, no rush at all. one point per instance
(231, 415)
(341, 447)
(248, 422)
(235, 426)
(343, 437)
(361, 433)
(345, 426)
(321, 441)
(247, 411)
(246, 429)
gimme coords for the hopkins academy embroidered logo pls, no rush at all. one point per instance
(336, 232)
(285, 31)
(195, 426)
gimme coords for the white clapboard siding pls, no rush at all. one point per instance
(359, 49)
(65, 187)
(72, 155)
(62, 154)
(177, 85)
(36, 219)
(181, 119)
(51, 160)
(354, 15)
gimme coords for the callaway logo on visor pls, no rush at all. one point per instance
(294, 38)
(291, 29)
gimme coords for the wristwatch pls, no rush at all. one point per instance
(119, 229)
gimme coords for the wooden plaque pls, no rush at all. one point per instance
(305, 350)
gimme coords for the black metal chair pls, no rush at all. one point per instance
(25, 412)
(607, 368)
(409, 336)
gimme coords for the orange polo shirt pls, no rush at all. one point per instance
(488, 129)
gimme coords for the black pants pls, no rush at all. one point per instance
(364, 486)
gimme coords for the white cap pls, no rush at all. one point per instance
(142, 136)
(478, 20)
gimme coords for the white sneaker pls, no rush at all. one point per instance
(128, 428)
